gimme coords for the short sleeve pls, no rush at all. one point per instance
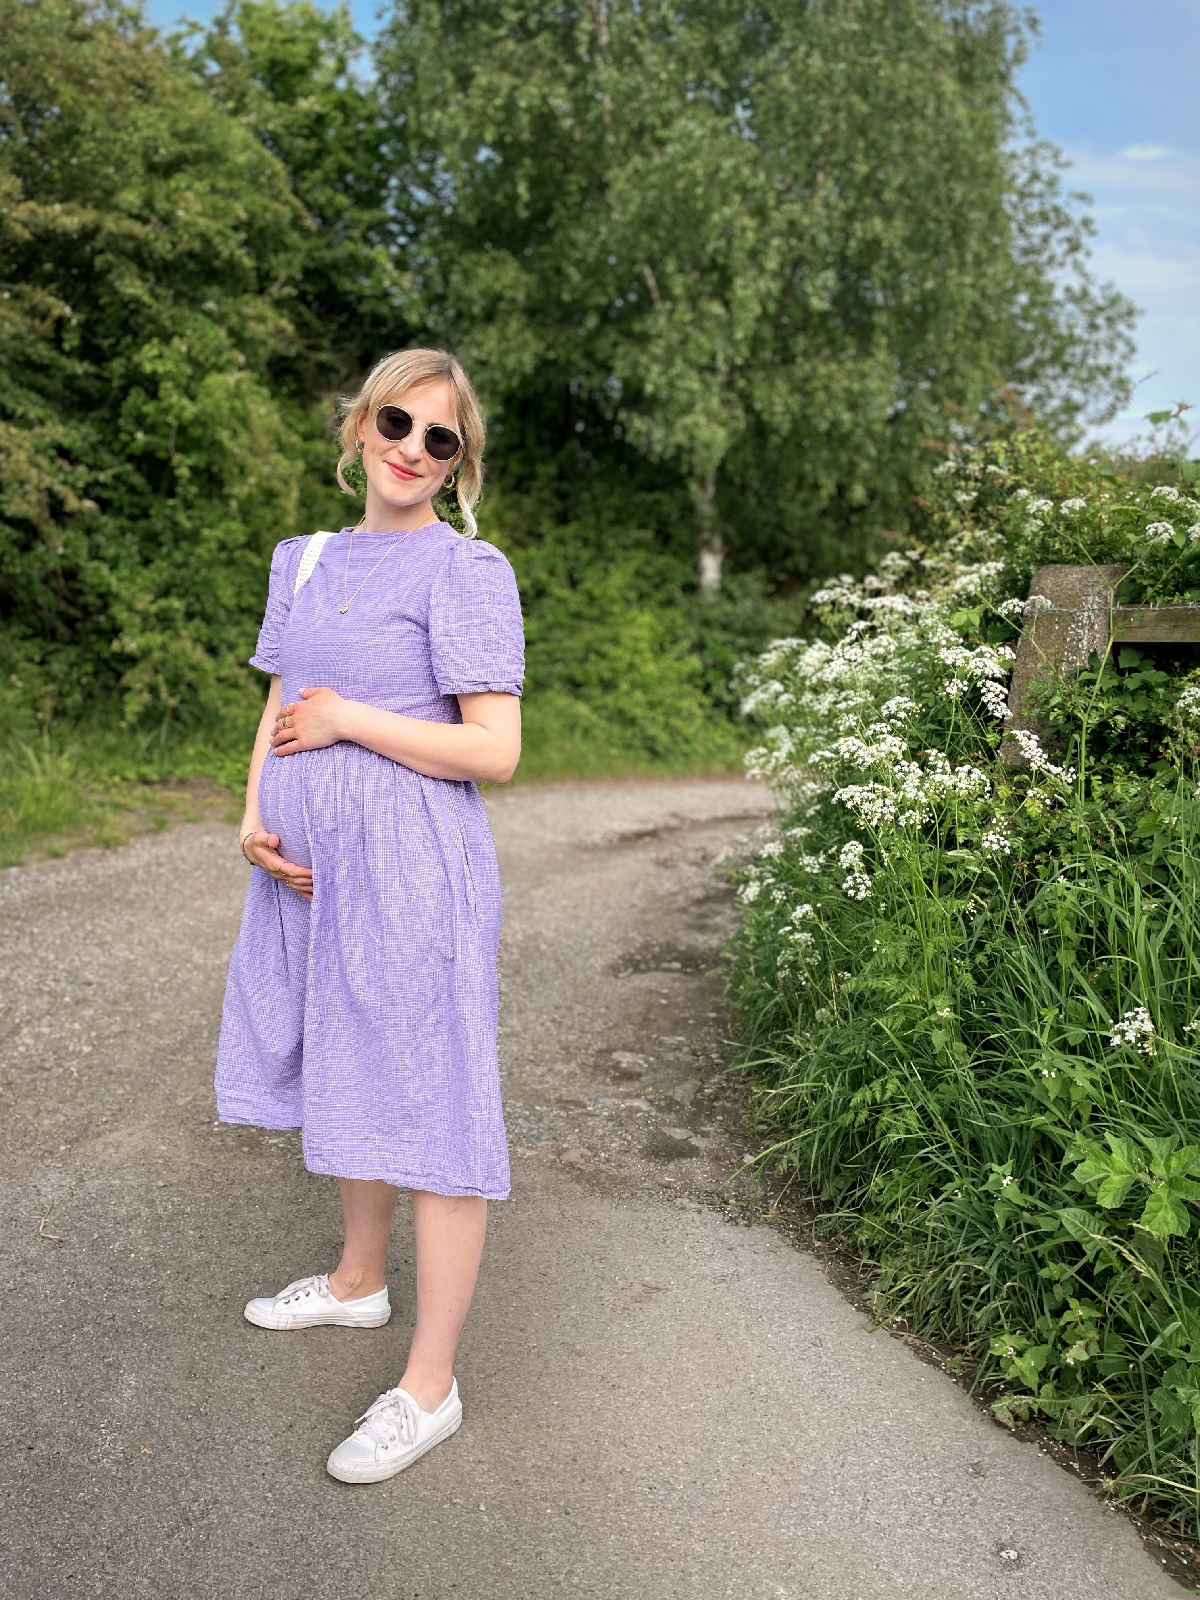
(476, 635)
(279, 605)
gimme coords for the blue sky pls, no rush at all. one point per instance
(1116, 85)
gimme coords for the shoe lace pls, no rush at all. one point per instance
(317, 1284)
(392, 1419)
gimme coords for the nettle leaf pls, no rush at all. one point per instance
(1112, 1191)
(1177, 1417)
(1028, 1366)
(1114, 1169)
(1165, 1213)
(1177, 1162)
(1085, 1227)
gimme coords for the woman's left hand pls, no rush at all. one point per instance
(310, 723)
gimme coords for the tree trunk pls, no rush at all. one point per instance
(712, 546)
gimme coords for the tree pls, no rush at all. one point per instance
(146, 466)
(772, 248)
(295, 75)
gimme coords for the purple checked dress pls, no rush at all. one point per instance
(368, 1017)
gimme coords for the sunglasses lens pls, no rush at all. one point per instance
(393, 422)
(442, 443)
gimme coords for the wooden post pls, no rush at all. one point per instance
(1074, 620)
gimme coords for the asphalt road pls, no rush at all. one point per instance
(659, 1404)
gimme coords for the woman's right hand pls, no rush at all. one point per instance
(261, 849)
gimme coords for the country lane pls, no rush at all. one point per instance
(660, 1404)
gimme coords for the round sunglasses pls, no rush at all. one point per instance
(394, 424)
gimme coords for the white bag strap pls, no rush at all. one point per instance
(312, 554)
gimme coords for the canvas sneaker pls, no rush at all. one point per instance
(393, 1434)
(310, 1303)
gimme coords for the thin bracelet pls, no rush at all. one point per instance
(249, 835)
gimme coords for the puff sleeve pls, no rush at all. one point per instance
(476, 635)
(279, 604)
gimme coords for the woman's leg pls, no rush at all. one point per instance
(368, 1207)
(449, 1231)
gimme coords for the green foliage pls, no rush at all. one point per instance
(768, 252)
(146, 467)
(970, 992)
(714, 278)
(626, 671)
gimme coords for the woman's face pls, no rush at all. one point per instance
(401, 472)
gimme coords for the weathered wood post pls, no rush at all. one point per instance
(1071, 617)
(1077, 614)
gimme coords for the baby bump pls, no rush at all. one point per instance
(281, 806)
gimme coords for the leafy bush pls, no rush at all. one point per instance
(970, 992)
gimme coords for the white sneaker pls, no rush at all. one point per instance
(310, 1303)
(393, 1434)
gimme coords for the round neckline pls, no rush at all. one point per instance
(404, 533)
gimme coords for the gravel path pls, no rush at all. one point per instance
(659, 1404)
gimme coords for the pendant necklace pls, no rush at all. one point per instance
(346, 595)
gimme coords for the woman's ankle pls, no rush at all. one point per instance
(427, 1388)
(345, 1284)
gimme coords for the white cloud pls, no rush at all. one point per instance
(1144, 152)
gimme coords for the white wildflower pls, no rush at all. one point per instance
(821, 1014)
(1070, 507)
(996, 844)
(1193, 532)
(851, 854)
(1031, 748)
(1166, 492)
(1135, 1029)
(893, 566)
(1188, 704)
(804, 913)
(898, 709)
(965, 497)
(749, 892)
(857, 886)
(1160, 532)
(1037, 507)
(1021, 494)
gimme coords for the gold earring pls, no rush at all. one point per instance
(451, 482)
(358, 445)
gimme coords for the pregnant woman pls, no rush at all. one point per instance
(361, 1001)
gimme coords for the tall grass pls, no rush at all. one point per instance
(970, 996)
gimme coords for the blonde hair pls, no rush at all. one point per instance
(390, 379)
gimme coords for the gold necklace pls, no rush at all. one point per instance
(346, 595)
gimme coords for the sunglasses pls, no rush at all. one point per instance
(394, 424)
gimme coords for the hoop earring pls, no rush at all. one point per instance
(358, 445)
(451, 482)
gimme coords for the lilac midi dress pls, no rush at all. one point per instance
(367, 1017)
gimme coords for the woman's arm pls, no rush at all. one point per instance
(484, 747)
(259, 847)
(251, 820)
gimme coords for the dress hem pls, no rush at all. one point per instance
(244, 1115)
